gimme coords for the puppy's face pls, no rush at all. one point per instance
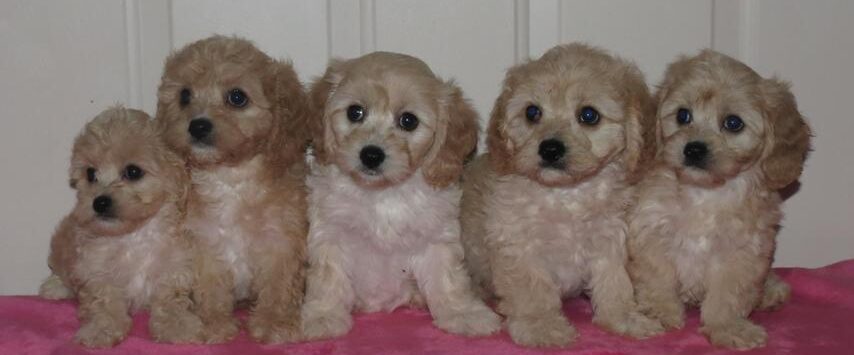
(221, 99)
(123, 173)
(563, 117)
(384, 116)
(718, 119)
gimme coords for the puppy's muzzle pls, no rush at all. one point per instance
(103, 206)
(372, 157)
(696, 154)
(200, 129)
(552, 152)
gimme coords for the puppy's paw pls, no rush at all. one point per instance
(632, 324)
(267, 329)
(103, 331)
(670, 315)
(325, 324)
(181, 328)
(775, 294)
(54, 289)
(479, 321)
(552, 330)
(740, 334)
(220, 330)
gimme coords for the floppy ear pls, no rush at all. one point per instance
(319, 94)
(790, 135)
(641, 126)
(456, 137)
(288, 138)
(496, 142)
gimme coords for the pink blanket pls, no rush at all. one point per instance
(818, 320)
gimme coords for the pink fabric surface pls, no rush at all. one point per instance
(818, 320)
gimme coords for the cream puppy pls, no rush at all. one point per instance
(543, 212)
(703, 229)
(121, 249)
(390, 139)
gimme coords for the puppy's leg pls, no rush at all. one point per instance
(172, 319)
(213, 293)
(54, 289)
(103, 314)
(613, 301)
(279, 282)
(531, 301)
(445, 284)
(732, 291)
(775, 293)
(329, 296)
(655, 283)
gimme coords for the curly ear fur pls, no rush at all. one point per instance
(457, 139)
(288, 139)
(319, 94)
(496, 142)
(790, 135)
(641, 125)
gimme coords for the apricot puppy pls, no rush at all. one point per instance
(703, 229)
(543, 211)
(390, 139)
(121, 248)
(236, 115)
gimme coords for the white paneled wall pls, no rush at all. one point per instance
(62, 62)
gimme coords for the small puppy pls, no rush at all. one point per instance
(121, 248)
(390, 139)
(703, 229)
(544, 210)
(236, 115)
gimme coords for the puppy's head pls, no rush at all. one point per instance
(719, 118)
(561, 118)
(123, 173)
(223, 101)
(384, 116)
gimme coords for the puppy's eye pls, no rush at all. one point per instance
(588, 116)
(408, 121)
(533, 113)
(90, 175)
(733, 123)
(237, 98)
(132, 173)
(355, 113)
(185, 97)
(683, 116)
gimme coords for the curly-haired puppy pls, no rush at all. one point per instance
(703, 229)
(237, 117)
(390, 139)
(544, 210)
(121, 248)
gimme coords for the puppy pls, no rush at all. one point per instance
(390, 139)
(121, 248)
(543, 211)
(236, 115)
(703, 229)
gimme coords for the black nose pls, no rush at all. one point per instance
(372, 156)
(552, 150)
(695, 153)
(102, 204)
(200, 128)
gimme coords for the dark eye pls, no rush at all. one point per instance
(683, 116)
(355, 113)
(408, 121)
(133, 173)
(733, 123)
(186, 95)
(237, 98)
(90, 175)
(533, 113)
(588, 115)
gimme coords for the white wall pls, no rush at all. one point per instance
(62, 62)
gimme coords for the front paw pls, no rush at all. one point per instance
(181, 328)
(103, 332)
(54, 289)
(740, 334)
(268, 329)
(632, 324)
(325, 324)
(220, 330)
(776, 293)
(480, 321)
(671, 315)
(552, 330)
